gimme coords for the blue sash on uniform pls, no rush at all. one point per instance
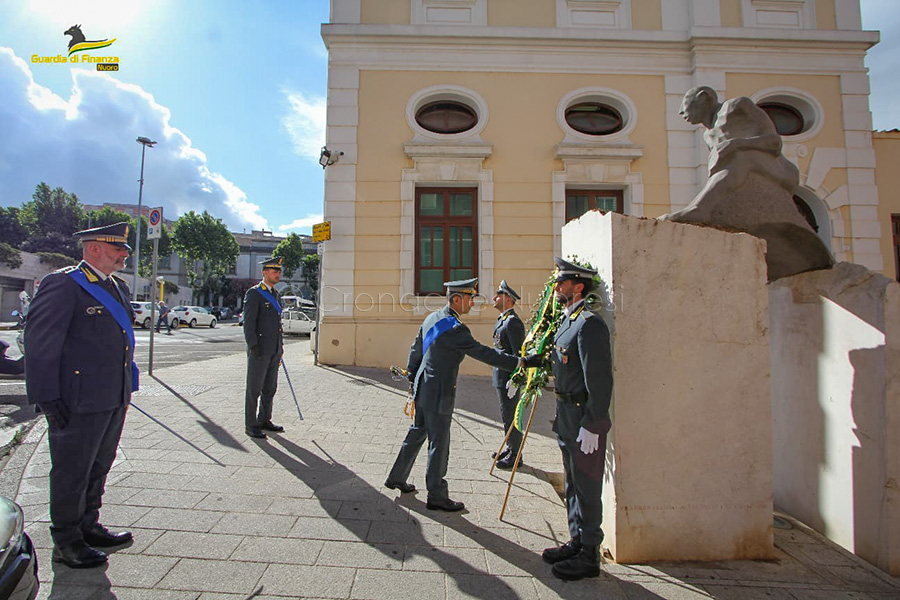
(116, 309)
(444, 325)
(270, 298)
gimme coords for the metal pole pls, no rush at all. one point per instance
(319, 303)
(137, 233)
(153, 301)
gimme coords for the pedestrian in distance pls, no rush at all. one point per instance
(582, 369)
(509, 334)
(262, 331)
(163, 318)
(443, 341)
(80, 373)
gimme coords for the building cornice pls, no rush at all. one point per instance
(364, 35)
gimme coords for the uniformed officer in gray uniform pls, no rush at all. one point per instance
(262, 331)
(509, 333)
(582, 368)
(434, 358)
(80, 373)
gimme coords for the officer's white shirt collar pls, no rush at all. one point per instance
(572, 308)
(103, 276)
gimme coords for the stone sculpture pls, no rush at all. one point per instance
(751, 184)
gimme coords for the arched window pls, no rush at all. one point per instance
(446, 117)
(787, 119)
(594, 118)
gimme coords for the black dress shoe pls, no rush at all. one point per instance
(507, 462)
(566, 551)
(78, 555)
(585, 564)
(270, 426)
(256, 433)
(404, 487)
(501, 456)
(101, 537)
(445, 504)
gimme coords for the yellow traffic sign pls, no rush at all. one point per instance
(322, 232)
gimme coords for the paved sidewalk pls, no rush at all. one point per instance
(304, 514)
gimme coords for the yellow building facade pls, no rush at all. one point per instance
(471, 130)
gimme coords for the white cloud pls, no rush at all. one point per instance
(304, 224)
(305, 123)
(86, 145)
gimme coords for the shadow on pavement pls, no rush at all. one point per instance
(216, 431)
(331, 480)
(69, 584)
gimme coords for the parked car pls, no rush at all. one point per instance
(18, 561)
(193, 316)
(297, 322)
(142, 315)
(219, 312)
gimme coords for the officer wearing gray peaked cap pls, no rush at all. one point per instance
(115, 234)
(568, 270)
(463, 286)
(505, 289)
(272, 263)
(441, 344)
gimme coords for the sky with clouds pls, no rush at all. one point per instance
(234, 94)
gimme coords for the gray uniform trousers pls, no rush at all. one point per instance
(435, 427)
(584, 475)
(262, 383)
(508, 414)
(81, 455)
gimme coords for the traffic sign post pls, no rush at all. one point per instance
(154, 232)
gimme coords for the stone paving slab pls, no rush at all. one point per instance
(304, 514)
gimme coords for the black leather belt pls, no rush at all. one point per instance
(577, 399)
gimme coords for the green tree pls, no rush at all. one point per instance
(10, 256)
(197, 238)
(12, 231)
(50, 219)
(291, 250)
(311, 263)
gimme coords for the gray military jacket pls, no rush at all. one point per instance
(582, 366)
(436, 369)
(509, 333)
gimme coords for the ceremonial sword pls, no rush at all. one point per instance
(291, 385)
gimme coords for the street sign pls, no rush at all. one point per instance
(322, 232)
(320, 249)
(154, 228)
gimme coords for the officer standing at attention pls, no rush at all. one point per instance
(582, 368)
(509, 333)
(262, 330)
(80, 372)
(434, 358)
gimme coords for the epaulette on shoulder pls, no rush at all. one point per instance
(66, 270)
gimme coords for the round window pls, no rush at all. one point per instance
(787, 119)
(594, 118)
(446, 117)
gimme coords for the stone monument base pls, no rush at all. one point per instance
(836, 407)
(689, 455)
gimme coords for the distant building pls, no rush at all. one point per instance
(255, 246)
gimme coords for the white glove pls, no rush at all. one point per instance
(511, 390)
(589, 441)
